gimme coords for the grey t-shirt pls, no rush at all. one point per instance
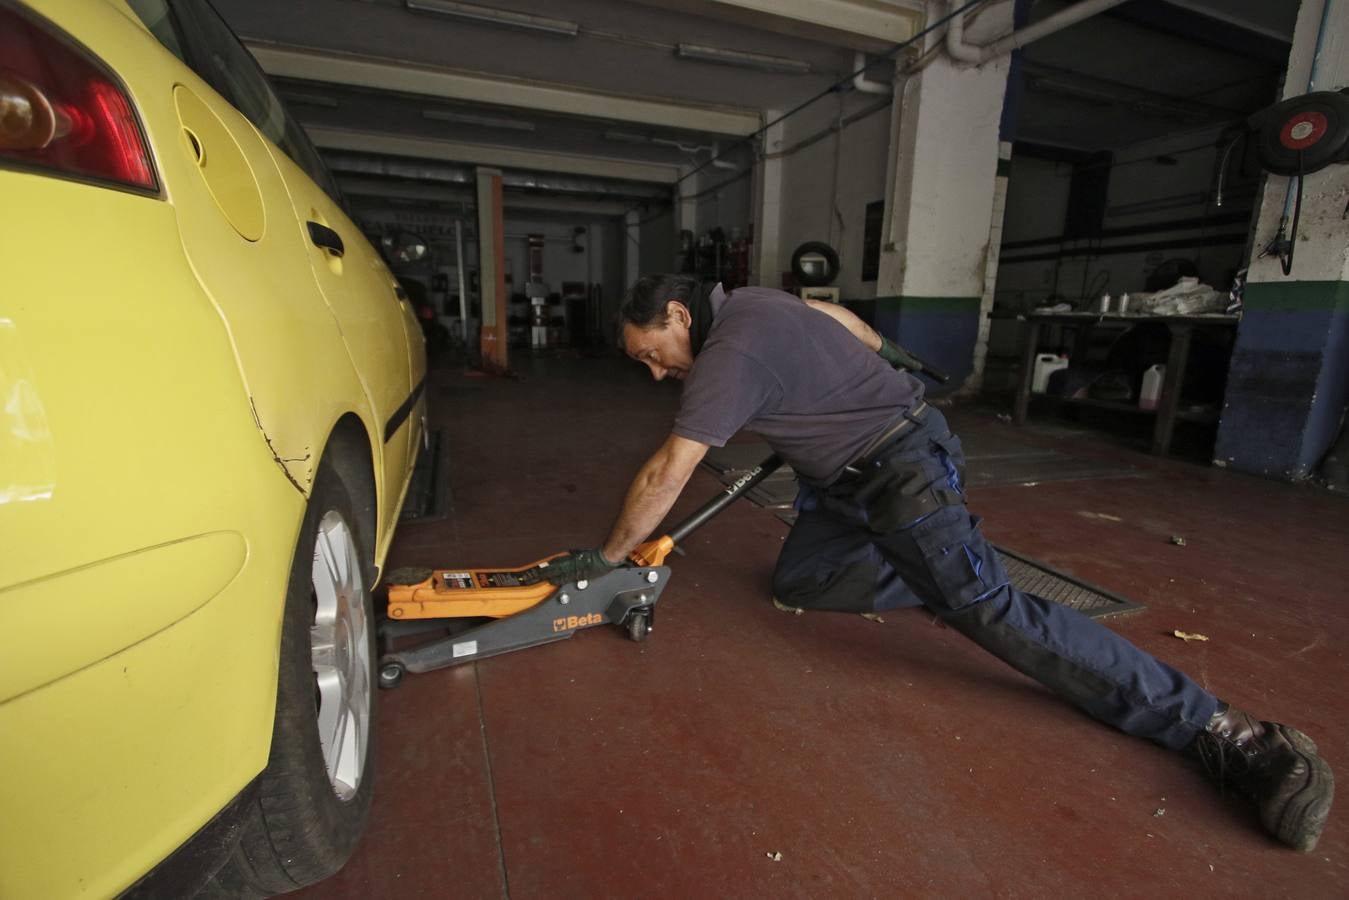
(793, 375)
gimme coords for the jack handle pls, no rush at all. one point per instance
(917, 364)
(653, 553)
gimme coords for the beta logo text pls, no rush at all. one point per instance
(570, 623)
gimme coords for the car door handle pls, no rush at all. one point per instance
(325, 237)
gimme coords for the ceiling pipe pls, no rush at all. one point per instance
(691, 149)
(976, 55)
(718, 162)
(956, 47)
(860, 81)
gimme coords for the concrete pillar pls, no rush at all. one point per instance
(492, 270)
(940, 207)
(632, 248)
(766, 206)
(1289, 378)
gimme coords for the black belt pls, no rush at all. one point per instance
(909, 420)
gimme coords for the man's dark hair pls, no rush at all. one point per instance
(645, 303)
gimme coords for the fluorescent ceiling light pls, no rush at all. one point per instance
(487, 15)
(735, 58)
(444, 115)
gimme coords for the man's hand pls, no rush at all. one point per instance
(578, 565)
(898, 357)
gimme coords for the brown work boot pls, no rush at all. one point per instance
(1275, 766)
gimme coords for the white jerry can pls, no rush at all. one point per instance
(1045, 365)
(1151, 390)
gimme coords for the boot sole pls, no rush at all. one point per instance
(800, 611)
(1304, 814)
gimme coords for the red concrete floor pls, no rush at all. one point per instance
(879, 760)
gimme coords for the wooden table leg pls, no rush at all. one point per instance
(1169, 402)
(1028, 350)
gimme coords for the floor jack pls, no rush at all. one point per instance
(522, 607)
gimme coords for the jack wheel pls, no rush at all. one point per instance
(390, 675)
(639, 626)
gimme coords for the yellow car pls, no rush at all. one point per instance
(210, 406)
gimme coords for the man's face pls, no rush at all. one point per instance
(664, 349)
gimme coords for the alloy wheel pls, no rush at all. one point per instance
(339, 641)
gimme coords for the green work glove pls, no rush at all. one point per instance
(897, 356)
(578, 565)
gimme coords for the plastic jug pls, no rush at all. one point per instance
(1045, 364)
(1152, 386)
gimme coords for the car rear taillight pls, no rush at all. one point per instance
(64, 112)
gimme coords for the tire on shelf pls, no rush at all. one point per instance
(809, 279)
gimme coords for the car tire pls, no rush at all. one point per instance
(306, 822)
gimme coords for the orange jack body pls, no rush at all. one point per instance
(469, 593)
(493, 593)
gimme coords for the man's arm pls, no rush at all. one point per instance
(652, 493)
(860, 330)
(889, 351)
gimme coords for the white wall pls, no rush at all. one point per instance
(725, 194)
(809, 196)
(560, 263)
(600, 262)
(657, 252)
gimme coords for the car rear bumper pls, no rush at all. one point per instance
(188, 869)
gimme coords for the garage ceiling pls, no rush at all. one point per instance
(1150, 68)
(599, 90)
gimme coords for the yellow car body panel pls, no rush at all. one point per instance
(288, 341)
(114, 766)
(163, 584)
(171, 369)
(129, 740)
(347, 283)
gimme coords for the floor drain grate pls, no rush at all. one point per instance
(1041, 466)
(1034, 577)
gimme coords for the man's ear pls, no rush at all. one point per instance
(676, 311)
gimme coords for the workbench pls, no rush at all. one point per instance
(1168, 410)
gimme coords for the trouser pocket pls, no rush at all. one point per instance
(962, 566)
(952, 456)
(901, 490)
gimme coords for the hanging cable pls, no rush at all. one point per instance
(1286, 259)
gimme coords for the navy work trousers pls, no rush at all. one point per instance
(898, 534)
